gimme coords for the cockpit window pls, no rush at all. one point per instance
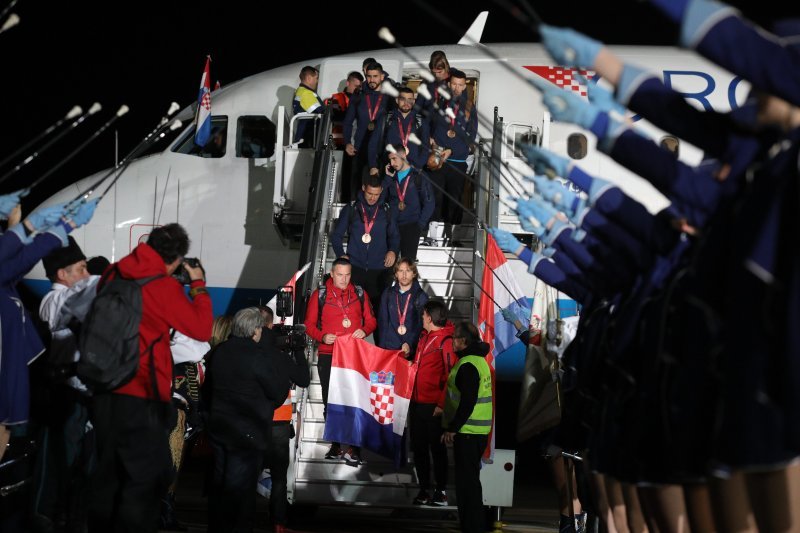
(215, 147)
(255, 137)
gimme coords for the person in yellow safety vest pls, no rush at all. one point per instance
(467, 422)
(277, 455)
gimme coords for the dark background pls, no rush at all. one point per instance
(146, 54)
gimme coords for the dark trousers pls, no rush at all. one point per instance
(358, 169)
(426, 440)
(451, 178)
(232, 500)
(134, 467)
(278, 464)
(409, 240)
(467, 451)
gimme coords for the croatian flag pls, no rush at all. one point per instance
(203, 116)
(499, 281)
(369, 395)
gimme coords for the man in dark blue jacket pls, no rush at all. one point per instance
(410, 194)
(373, 240)
(367, 112)
(454, 135)
(397, 127)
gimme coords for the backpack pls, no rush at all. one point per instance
(109, 340)
(323, 292)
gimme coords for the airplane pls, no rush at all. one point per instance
(257, 206)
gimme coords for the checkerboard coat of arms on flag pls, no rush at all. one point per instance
(381, 396)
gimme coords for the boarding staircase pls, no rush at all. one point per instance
(313, 479)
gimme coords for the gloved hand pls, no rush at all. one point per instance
(591, 185)
(508, 314)
(505, 240)
(45, 217)
(8, 202)
(558, 194)
(603, 99)
(539, 209)
(85, 212)
(673, 9)
(568, 47)
(542, 160)
(529, 223)
(566, 106)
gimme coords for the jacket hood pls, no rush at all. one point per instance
(477, 348)
(446, 331)
(142, 262)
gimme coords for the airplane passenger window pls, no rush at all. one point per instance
(671, 144)
(214, 148)
(255, 137)
(577, 146)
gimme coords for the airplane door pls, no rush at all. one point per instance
(514, 169)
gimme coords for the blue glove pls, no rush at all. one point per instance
(505, 240)
(538, 208)
(85, 212)
(673, 9)
(8, 202)
(529, 223)
(558, 194)
(543, 160)
(568, 47)
(566, 106)
(603, 99)
(45, 217)
(508, 314)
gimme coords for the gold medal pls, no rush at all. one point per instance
(366, 238)
(371, 126)
(401, 329)
(401, 206)
(451, 133)
(346, 322)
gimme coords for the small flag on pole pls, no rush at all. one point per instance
(203, 116)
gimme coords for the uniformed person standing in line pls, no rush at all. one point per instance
(467, 421)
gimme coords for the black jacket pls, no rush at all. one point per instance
(244, 385)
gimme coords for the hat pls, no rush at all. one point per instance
(62, 257)
(97, 265)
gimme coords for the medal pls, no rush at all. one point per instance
(401, 206)
(346, 322)
(401, 194)
(371, 126)
(404, 134)
(367, 238)
(451, 133)
(401, 329)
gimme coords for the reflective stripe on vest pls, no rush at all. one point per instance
(284, 412)
(480, 420)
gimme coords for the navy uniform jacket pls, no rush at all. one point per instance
(385, 236)
(357, 112)
(389, 318)
(418, 199)
(466, 128)
(417, 154)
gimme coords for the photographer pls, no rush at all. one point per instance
(291, 360)
(245, 382)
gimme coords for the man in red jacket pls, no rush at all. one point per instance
(434, 359)
(345, 310)
(132, 423)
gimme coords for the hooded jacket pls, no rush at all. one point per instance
(337, 305)
(434, 358)
(164, 306)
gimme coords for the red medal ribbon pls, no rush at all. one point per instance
(404, 138)
(340, 301)
(373, 112)
(368, 225)
(402, 316)
(402, 194)
(455, 115)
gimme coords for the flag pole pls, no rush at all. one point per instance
(513, 297)
(473, 280)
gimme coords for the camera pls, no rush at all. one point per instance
(290, 339)
(182, 275)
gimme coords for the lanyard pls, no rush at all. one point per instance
(404, 137)
(402, 316)
(370, 111)
(368, 225)
(339, 301)
(402, 194)
(455, 115)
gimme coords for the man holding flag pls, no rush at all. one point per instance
(203, 116)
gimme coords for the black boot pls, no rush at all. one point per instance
(169, 522)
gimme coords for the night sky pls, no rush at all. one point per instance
(146, 54)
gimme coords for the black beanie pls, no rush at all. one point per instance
(62, 257)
